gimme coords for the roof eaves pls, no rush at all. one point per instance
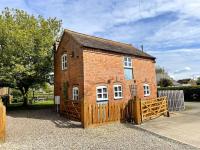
(146, 57)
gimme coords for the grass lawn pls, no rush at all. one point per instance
(46, 102)
(35, 105)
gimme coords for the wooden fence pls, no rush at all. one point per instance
(2, 122)
(97, 114)
(72, 110)
(136, 110)
(175, 99)
(152, 108)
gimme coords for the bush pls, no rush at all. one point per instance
(165, 82)
(191, 93)
(17, 96)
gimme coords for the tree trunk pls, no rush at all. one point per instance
(25, 99)
(24, 95)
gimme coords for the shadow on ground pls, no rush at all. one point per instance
(41, 112)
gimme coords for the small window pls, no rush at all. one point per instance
(102, 93)
(75, 93)
(146, 90)
(117, 91)
(128, 69)
(127, 62)
(64, 61)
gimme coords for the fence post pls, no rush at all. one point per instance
(2, 122)
(137, 110)
(84, 114)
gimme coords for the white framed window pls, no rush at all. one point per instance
(102, 93)
(117, 91)
(127, 62)
(128, 69)
(64, 61)
(146, 90)
(75, 92)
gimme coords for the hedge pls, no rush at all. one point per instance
(191, 93)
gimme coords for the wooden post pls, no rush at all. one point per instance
(2, 122)
(84, 114)
(137, 111)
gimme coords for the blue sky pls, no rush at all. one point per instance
(168, 29)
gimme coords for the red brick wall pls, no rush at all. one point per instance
(107, 69)
(73, 75)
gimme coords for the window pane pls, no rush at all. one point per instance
(128, 73)
(116, 94)
(125, 63)
(119, 88)
(104, 95)
(99, 95)
(129, 64)
(120, 94)
(99, 90)
(104, 90)
(115, 88)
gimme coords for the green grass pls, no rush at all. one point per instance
(33, 106)
(47, 102)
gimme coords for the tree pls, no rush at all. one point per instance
(26, 48)
(198, 81)
(164, 82)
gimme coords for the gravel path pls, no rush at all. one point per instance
(44, 129)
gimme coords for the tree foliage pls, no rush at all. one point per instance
(26, 48)
(198, 81)
(164, 82)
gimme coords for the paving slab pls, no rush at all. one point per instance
(182, 126)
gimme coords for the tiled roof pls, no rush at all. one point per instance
(107, 45)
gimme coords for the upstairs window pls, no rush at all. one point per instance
(127, 62)
(146, 90)
(117, 91)
(102, 94)
(64, 61)
(75, 93)
(128, 69)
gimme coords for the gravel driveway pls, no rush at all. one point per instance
(44, 129)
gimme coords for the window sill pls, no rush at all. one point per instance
(147, 95)
(102, 102)
(64, 69)
(118, 98)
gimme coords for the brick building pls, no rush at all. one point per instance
(97, 70)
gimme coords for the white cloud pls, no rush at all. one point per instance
(186, 69)
(179, 63)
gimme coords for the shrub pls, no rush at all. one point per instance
(191, 93)
(165, 82)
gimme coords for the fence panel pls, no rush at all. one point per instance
(175, 99)
(72, 110)
(97, 114)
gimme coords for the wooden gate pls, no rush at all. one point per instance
(72, 110)
(153, 108)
